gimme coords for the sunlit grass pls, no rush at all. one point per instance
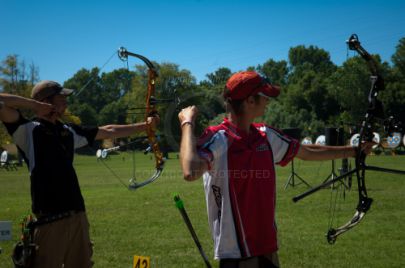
(146, 222)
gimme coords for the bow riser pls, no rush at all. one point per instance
(150, 110)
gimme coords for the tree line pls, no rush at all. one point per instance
(316, 93)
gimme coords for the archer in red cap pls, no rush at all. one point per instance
(237, 161)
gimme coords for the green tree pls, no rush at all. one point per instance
(94, 92)
(16, 78)
(217, 80)
(86, 84)
(87, 114)
(394, 95)
(398, 59)
(350, 85)
(208, 98)
(114, 112)
(312, 57)
(304, 101)
(275, 71)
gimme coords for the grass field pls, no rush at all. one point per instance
(146, 222)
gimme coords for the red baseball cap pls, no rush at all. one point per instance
(244, 84)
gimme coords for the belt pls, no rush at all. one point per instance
(48, 218)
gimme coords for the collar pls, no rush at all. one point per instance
(238, 133)
(47, 123)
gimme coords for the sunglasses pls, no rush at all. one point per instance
(264, 95)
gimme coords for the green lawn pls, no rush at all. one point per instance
(146, 222)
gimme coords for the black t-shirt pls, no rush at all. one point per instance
(48, 150)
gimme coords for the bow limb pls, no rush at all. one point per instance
(354, 44)
(361, 210)
(363, 204)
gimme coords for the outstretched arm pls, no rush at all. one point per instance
(192, 165)
(120, 131)
(322, 152)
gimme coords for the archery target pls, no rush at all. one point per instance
(376, 139)
(321, 140)
(307, 140)
(98, 153)
(354, 140)
(104, 153)
(4, 157)
(394, 141)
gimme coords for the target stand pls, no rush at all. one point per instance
(294, 133)
(333, 137)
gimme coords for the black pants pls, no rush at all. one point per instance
(254, 262)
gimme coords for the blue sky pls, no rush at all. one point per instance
(61, 37)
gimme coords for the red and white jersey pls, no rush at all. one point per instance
(240, 186)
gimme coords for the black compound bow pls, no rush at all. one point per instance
(374, 112)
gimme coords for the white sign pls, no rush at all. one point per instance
(5, 230)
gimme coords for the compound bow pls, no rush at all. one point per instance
(150, 110)
(374, 111)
